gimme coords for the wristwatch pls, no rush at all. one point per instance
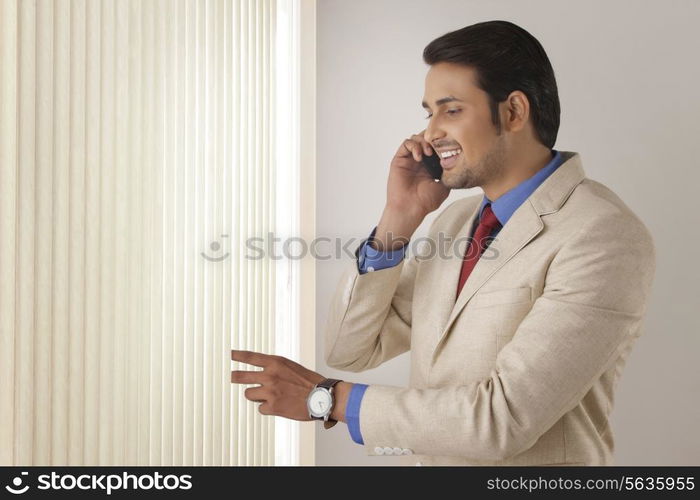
(320, 402)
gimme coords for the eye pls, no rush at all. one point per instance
(449, 112)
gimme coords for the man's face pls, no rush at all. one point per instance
(465, 124)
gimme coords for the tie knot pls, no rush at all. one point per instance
(488, 218)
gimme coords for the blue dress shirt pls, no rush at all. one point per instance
(370, 260)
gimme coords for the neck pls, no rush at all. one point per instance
(519, 166)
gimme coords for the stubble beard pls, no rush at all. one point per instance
(491, 166)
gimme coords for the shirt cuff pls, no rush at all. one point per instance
(370, 259)
(352, 412)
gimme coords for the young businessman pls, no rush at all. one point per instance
(518, 336)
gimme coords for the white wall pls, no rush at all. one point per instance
(627, 73)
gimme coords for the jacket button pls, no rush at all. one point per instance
(379, 450)
(388, 450)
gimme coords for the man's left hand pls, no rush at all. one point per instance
(284, 384)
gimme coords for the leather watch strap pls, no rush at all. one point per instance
(328, 384)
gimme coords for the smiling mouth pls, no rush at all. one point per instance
(450, 161)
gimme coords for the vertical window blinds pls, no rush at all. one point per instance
(139, 148)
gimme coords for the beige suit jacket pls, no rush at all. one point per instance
(521, 368)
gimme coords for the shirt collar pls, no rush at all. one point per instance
(505, 205)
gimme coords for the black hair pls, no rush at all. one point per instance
(505, 58)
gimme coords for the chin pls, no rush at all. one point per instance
(453, 183)
(458, 178)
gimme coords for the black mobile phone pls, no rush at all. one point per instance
(432, 165)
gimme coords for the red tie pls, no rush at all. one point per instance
(477, 244)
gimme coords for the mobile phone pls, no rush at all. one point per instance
(432, 165)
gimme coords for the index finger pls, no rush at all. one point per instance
(251, 357)
(427, 147)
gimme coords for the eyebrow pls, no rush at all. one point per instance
(441, 101)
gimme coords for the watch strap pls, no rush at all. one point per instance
(328, 383)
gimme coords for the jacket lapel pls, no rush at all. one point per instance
(521, 229)
(444, 278)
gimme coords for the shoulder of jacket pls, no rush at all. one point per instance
(602, 204)
(593, 206)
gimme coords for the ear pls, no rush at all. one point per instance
(517, 111)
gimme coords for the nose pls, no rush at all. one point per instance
(431, 133)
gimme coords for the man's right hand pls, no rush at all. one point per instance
(411, 194)
(410, 186)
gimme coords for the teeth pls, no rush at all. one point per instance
(447, 154)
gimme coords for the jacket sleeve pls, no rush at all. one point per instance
(369, 319)
(594, 299)
(370, 315)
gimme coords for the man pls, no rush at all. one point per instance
(515, 351)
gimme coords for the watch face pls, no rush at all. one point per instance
(319, 402)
